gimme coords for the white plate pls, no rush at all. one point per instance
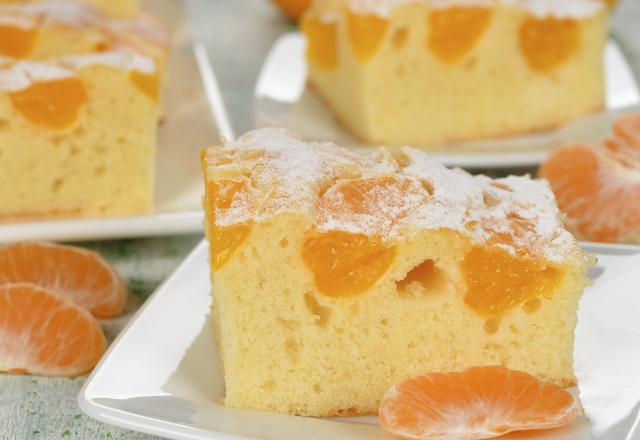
(161, 375)
(194, 118)
(283, 98)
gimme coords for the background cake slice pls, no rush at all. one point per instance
(336, 275)
(78, 136)
(426, 72)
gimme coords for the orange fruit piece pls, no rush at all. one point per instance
(547, 43)
(476, 403)
(293, 8)
(76, 274)
(322, 42)
(366, 32)
(598, 186)
(16, 42)
(43, 333)
(454, 31)
(54, 104)
(346, 264)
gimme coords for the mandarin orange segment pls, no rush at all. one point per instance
(322, 44)
(547, 43)
(16, 42)
(78, 275)
(498, 281)
(43, 333)
(345, 264)
(454, 31)
(147, 83)
(366, 32)
(597, 190)
(224, 194)
(52, 104)
(476, 403)
(293, 8)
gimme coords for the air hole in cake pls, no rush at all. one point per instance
(316, 388)
(532, 305)
(56, 185)
(321, 314)
(514, 329)
(502, 186)
(283, 243)
(4, 125)
(399, 38)
(514, 344)
(99, 170)
(491, 325)
(384, 321)
(292, 349)
(400, 71)
(420, 280)
(470, 64)
(269, 385)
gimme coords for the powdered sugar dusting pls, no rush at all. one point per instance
(385, 195)
(20, 75)
(540, 8)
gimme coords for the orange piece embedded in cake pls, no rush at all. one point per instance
(424, 73)
(395, 266)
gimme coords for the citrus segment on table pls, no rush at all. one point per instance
(476, 403)
(79, 275)
(43, 333)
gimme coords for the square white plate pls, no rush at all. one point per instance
(283, 98)
(161, 375)
(194, 118)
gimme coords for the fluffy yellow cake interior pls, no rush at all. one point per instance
(427, 72)
(78, 136)
(337, 275)
(115, 8)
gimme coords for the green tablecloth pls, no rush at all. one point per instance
(239, 34)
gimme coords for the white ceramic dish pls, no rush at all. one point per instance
(161, 375)
(283, 98)
(195, 117)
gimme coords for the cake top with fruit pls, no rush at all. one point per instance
(539, 8)
(389, 195)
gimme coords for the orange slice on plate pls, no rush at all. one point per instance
(477, 403)
(43, 333)
(77, 274)
(598, 186)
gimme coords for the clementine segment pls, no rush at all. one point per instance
(547, 43)
(454, 31)
(52, 104)
(345, 264)
(77, 274)
(477, 403)
(598, 187)
(43, 333)
(366, 32)
(147, 83)
(16, 42)
(226, 195)
(322, 44)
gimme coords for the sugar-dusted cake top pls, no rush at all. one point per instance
(390, 195)
(18, 75)
(539, 8)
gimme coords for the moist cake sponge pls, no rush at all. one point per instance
(77, 136)
(336, 275)
(426, 72)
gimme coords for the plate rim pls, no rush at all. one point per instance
(160, 427)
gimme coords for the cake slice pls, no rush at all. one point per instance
(39, 31)
(114, 8)
(77, 136)
(425, 72)
(336, 275)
